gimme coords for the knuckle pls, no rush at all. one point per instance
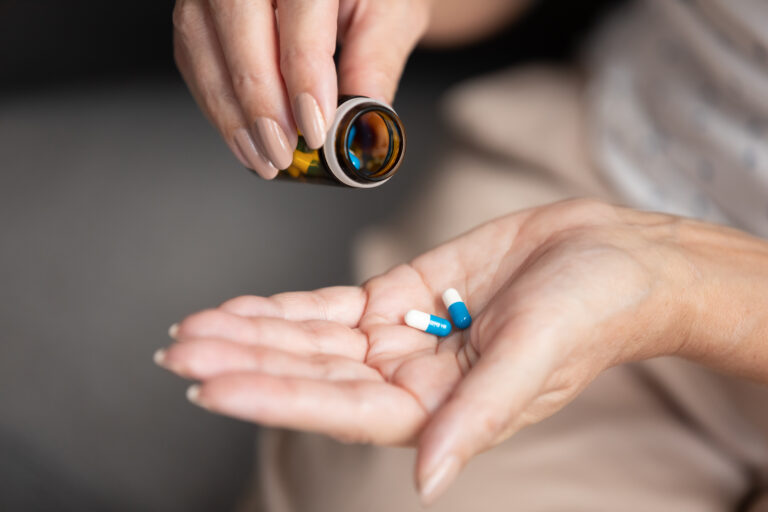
(187, 16)
(259, 357)
(223, 6)
(219, 5)
(248, 80)
(216, 101)
(590, 207)
(489, 419)
(299, 58)
(492, 425)
(199, 322)
(418, 17)
(381, 280)
(237, 304)
(327, 370)
(571, 213)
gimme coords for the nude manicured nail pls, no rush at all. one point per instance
(234, 146)
(173, 331)
(272, 143)
(193, 394)
(438, 480)
(310, 119)
(244, 142)
(159, 357)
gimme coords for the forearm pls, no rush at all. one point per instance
(728, 298)
(456, 22)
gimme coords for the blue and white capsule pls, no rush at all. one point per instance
(428, 323)
(456, 308)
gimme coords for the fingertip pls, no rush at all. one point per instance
(233, 394)
(446, 441)
(268, 172)
(193, 395)
(310, 120)
(433, 482)
(273, 142)
(252, 305)
(244, 142)
(234, 147)
(206, 323)
(307, 36)
(369, 74)
(368, 88)
(386, 97)
(159, 357)
(180, 359)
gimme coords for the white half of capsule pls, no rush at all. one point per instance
(451, 296)
(417, 319)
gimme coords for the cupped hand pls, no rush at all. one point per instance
(558, 294)
(260, 69)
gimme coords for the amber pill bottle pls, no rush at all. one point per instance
(364, 147)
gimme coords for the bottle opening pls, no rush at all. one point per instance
(369, 143)
(372, 144)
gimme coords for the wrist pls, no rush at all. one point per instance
(727, 299)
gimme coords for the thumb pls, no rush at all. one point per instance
(484, 408)
(376, 40)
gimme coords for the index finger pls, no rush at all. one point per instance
(247, 32)
(307, 33)
(342, 304)
(362, 411)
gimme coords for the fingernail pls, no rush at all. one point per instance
(235, 147)
(244, 143)
(272, 143)
(159, 357)
(310, 119)
(173, 331)
(438, 480)
(193, 394)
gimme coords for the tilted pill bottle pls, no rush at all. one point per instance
(363, 148)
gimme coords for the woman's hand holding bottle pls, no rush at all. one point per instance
(262, 69)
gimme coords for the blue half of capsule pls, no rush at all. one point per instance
(457, 308)
(428, 323)
(438, 326)
(460, 315)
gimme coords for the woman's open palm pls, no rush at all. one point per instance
(551, 291)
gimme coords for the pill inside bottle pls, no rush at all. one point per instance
(364, 147)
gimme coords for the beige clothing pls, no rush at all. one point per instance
(658, 436)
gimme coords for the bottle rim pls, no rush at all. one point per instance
(341, 166)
